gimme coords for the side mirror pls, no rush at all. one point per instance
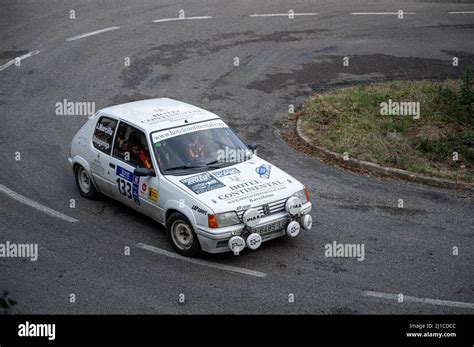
(252, 145)
(143, 172)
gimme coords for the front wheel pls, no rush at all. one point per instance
(84, 182)
(182, 236)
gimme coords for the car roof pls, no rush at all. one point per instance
(158, 114)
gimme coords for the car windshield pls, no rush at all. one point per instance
(198, 150)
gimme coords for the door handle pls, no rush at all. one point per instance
(112, 165)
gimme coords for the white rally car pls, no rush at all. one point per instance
(185, 168)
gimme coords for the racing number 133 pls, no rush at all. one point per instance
(124, 187)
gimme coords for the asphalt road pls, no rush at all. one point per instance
(407, 251)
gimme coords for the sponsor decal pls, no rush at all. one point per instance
(253, 218)
(264, 171)
(237, 178)
(104, 129)
(144, 187)
(199, 210)
(226, 172)
(166, 134)
(152, 194)
(244, 207)
(101, 143)
(171, 115)
(128, 184)
(261, 197)
(202, 183)
(136, 182)
(251, 189)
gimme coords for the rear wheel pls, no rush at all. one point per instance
(84, 183)
(182, 236)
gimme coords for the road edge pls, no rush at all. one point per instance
(381, 170)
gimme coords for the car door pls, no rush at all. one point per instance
(130, 151)
(101, 150)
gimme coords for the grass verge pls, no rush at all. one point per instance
(364, 121)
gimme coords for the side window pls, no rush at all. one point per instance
(104, 134)
(131, 146)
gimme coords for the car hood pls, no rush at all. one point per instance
(248, 184)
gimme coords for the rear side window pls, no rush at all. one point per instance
(104, 134)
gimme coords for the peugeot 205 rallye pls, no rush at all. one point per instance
(185, 168)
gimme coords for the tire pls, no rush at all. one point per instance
(181, 235)
(84, 183)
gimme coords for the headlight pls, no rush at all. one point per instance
(302, 195)
(225, 219)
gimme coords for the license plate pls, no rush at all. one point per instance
(270, 228)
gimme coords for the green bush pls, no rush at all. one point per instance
(444, 147)
(458, 104)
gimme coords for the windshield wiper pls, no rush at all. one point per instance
(184, 167)
(217, 164)
(212, 164)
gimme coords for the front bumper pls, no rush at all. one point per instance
(216, 240)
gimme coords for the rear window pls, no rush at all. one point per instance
(104, 134)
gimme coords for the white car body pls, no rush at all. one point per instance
(253, 185)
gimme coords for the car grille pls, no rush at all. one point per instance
(274, 207)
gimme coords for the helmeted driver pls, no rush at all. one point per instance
(136, 146)
(195, 149)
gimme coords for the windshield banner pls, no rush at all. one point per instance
(166, 134)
